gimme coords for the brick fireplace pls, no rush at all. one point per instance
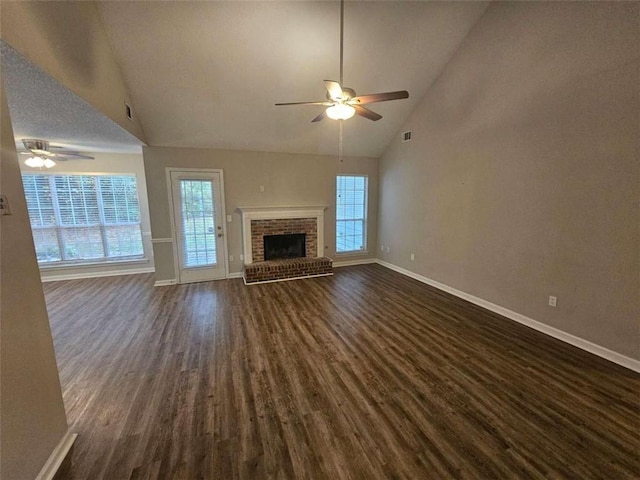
(283, 226)
(258, 222)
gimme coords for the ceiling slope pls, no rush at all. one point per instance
(42, 108)
(207, 74)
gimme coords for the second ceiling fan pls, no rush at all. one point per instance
(342, 103)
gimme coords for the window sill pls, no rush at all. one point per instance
(355, 253)
(67, 265)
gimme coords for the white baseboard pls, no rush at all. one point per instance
(111, 273)
(349, 263)
(51, 466)
(623, 360)
(235, 275)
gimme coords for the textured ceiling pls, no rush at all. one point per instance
(42, 108)
(207, 74)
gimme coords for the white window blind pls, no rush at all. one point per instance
(83, 217)
(351, 208)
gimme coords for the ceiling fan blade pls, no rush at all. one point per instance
(366, 113)
(326, 104)
(75, 155)
(379, 97)
(334, 89)
(45, 153)
(38, 153)
(322, 116)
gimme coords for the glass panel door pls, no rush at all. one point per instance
(197, 202)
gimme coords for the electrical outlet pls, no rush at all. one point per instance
(388, 249)
(553, 301)
(413, 257)
(231, 258)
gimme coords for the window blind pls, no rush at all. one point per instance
(351, 201)
(83, 217)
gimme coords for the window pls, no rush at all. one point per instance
(351, 213)
(83, 217)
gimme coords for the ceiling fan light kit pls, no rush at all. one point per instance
(39, 162)
(342, 102)
(340, 111)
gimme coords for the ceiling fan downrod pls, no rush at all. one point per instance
(341, 42)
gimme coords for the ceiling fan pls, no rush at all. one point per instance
(42, 156)
(342, 103)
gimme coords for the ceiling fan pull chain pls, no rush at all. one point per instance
(340, 141)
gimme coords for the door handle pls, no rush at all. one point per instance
(219, 235)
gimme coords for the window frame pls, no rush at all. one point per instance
(58, 227)
(365, 221)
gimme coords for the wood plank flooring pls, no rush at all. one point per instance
(364, 375)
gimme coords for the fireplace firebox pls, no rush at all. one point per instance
(284, 246)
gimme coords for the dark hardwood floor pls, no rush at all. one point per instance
(364, 375)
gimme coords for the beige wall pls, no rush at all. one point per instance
(288, 179)
(67, 41)
(106, 163)
(32, 416)
(522, 180)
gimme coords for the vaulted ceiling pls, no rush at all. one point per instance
(207, 74)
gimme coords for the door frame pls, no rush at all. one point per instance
(172, 220)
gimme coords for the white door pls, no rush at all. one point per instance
(198, 215)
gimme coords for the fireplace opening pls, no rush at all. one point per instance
(284, 246)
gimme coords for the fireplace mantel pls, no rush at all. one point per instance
(280, 212)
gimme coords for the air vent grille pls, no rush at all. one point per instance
(406, 136)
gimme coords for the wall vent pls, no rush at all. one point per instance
(406, 136)
(128, 111)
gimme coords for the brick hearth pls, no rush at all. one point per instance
(287, 269)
